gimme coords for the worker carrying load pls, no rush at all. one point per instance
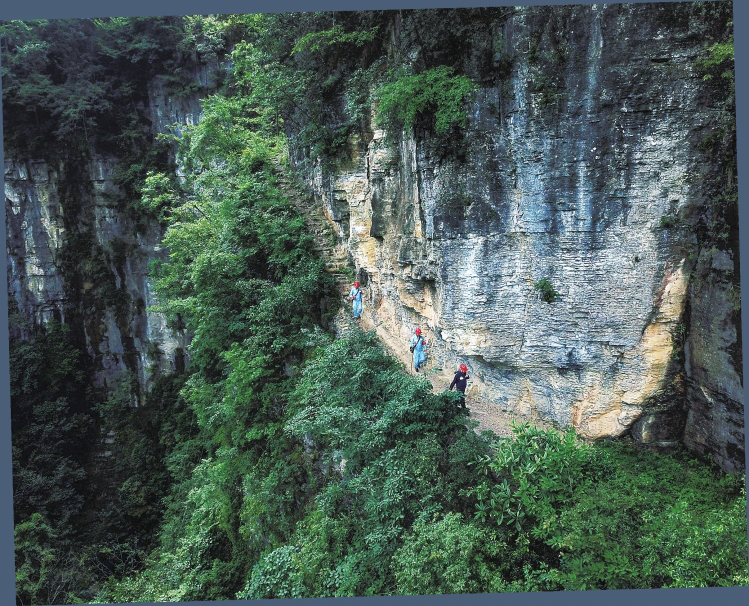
(356, 296)
(459, 382)
(418, 348)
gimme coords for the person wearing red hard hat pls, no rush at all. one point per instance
(356, 296)
(459, 382)
(419, 348)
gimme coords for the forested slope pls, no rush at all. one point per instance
(281, 462)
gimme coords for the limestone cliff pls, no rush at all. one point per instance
(581, 164)
(77, 253)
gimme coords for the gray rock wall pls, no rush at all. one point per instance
(715, 414)
(76, 254)
(565, 171)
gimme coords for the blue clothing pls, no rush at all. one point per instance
(420, 346)
(356, 295)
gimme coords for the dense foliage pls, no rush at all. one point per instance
(436, 88)
(82, 518)
(80, 83)
(282, 462)
(376, 486)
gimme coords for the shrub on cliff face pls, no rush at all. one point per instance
(548, 294)
(435, 90)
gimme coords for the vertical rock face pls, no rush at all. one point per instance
(77, 253)
(715, 418)
(571, 168)
(35, 234)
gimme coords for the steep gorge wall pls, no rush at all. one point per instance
(580, 163)
(585, 134)
(77, 254)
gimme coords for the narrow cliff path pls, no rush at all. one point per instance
(488, 415)
(323, 233)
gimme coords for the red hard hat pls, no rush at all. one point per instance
(356, 284)
(464, 368)
(418, 331)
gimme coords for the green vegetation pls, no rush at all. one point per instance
(283, 462)
(78, 81)
(377, 487)
(314, 41)
(48, 416)
(548, 294)
(312, 73)
(81, 518)
(667, 222)
(318, 74)
(436, 89)
(351, 477)
(734, 296)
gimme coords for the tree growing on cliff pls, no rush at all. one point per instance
(438, 90)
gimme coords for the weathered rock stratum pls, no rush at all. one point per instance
(587, 180)
(64, 221)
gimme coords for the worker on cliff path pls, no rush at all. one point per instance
(356, 296)
(459, 382)
(418, 348)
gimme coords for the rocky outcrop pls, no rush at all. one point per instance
(577, 165)
(79, 253)
(715, 412)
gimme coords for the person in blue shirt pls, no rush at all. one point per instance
(459, 382)
(419, 349)
(356, 296)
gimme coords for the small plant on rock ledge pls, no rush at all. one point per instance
(667, 222)
(548, 294)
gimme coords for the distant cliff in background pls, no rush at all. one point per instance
(75, 255)
(84, 104)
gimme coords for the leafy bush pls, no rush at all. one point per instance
(449, 555)
(314, 41)
(548, 294)
(613, 517)
(275, 576)
(297, 67)
(532, 476)
(436, 90)
(386, 445)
